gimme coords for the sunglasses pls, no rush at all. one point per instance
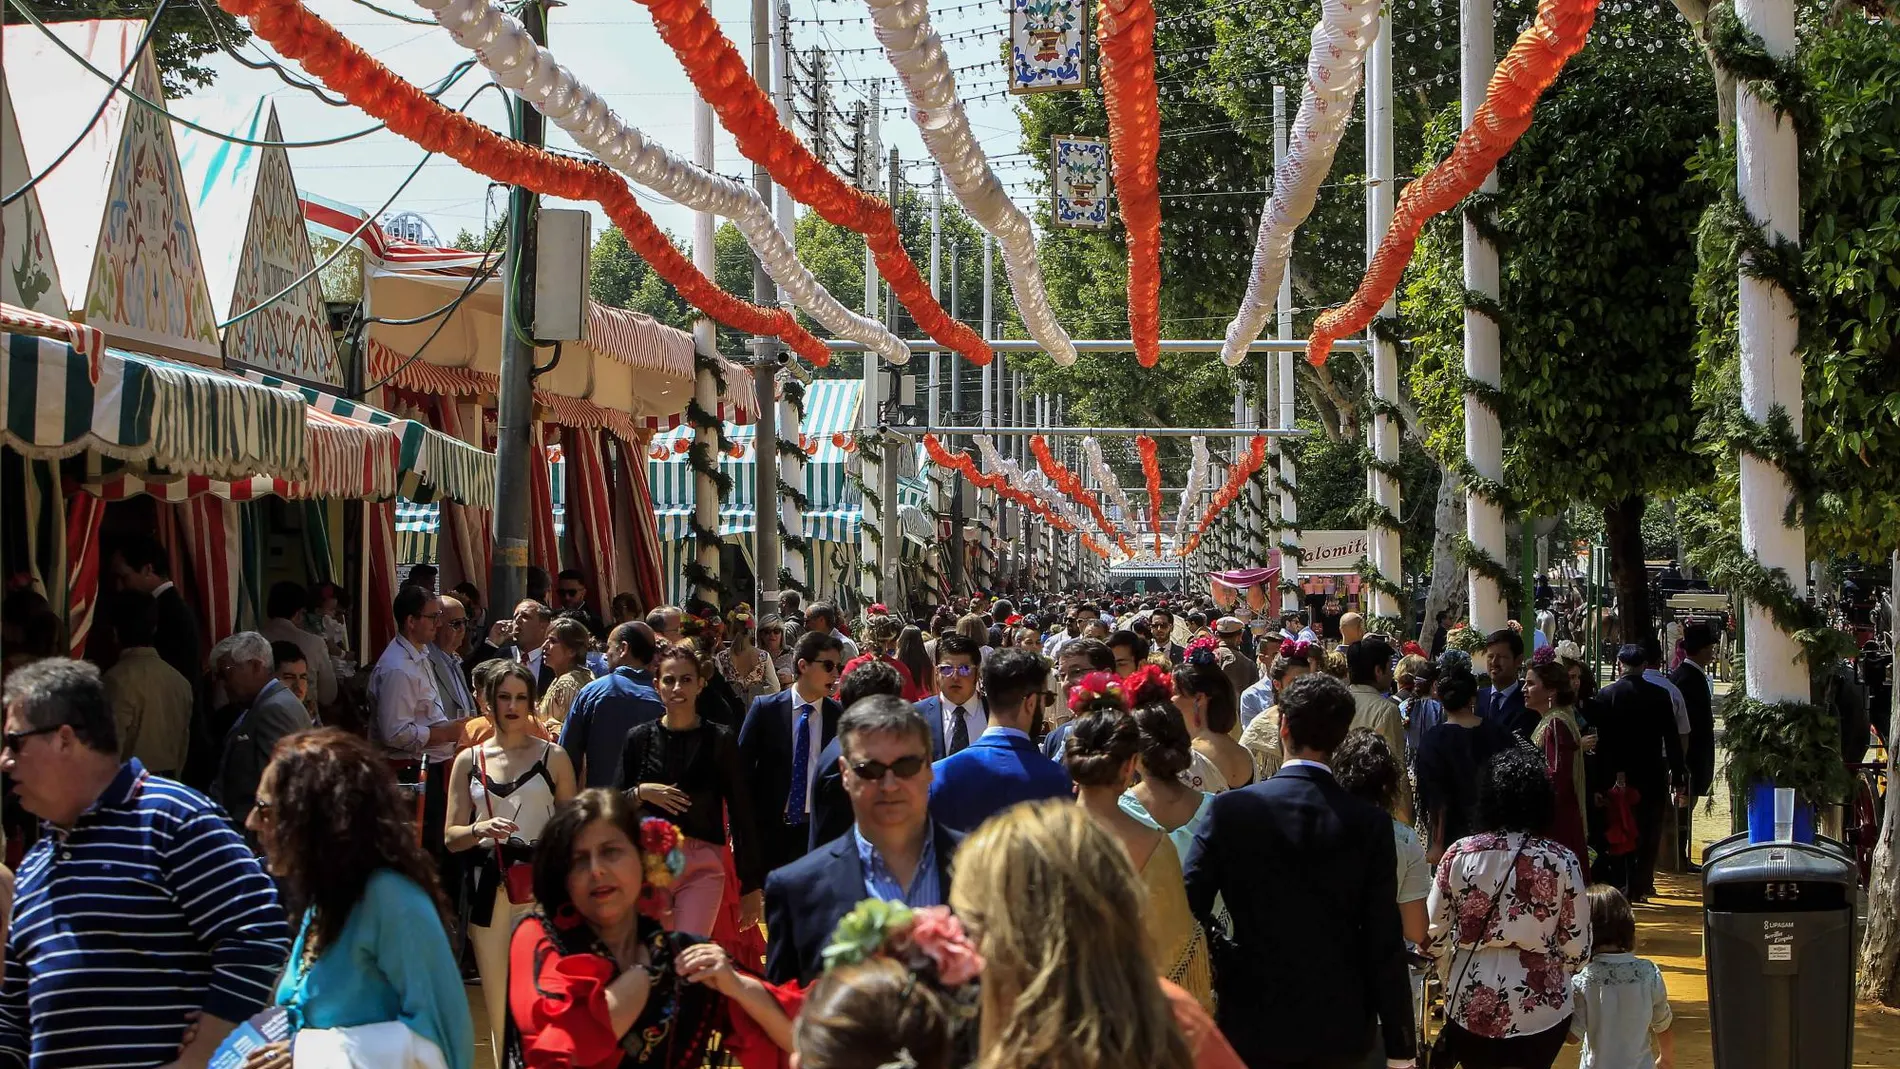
(570, 592)
(827, 665)
(959, 670)
(11, 740)
(873, 771)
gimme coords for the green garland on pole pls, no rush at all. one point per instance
(1471, 557)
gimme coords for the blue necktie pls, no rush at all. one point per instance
(795, 814)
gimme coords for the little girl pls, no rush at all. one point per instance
(1620, 998)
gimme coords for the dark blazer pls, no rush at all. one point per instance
(1636, 735)
(483, 651)
(176, 639)
(1508, 712)
(831, 814)
(1309, 874)
(1694, 685)
(805, 900)
(931, 709)
(765, 758)
(248, 747)
(996, 772)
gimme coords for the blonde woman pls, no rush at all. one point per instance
(1068, 980)
(565, 654)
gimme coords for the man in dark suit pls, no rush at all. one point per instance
(142, 564)
(1638, 742)
(1161, 635)
(1308, 873)
(956, 714)
(893, 850)
(1502, 702)
(780, 743)
(247, 667)
(571, 588)
(1691, 677)
(1003, 766)
(830, 802)
(519, 638)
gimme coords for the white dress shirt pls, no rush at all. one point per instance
(402, 688)
(316, 655)
(972, 714)
(814, 734)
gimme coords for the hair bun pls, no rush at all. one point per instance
(1148, 685)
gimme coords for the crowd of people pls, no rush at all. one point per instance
(1062, 833)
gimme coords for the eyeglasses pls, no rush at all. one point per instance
(11, 740)
(430, 615)
(262, 806)
(456, 624)
(873, 771)
(959, 670)
(827, 665)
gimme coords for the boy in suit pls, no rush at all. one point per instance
(956, 714)
(780, 743)
(1003, 766)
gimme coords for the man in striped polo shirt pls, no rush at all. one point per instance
(139, 904)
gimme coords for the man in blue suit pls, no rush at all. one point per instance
(1502, 702)
(956, 714)
(893, 850)
(780, 743)
(1003, 766)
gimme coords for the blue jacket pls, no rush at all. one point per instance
(805, 900)
(1509, 712)
(599, 718)
(996, 772)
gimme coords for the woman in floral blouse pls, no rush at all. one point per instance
(1509, 925)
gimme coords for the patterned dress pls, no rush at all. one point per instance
(1507, 970)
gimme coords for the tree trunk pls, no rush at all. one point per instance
(1880, 948)
(1623, 530)
(1448, 522)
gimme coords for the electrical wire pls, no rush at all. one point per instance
(212, 17)
(474, 283)
(410, 19)
(138, 56)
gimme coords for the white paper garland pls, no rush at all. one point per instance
(1334, 67)
(915, 50)
(1033, 483)
(518, 63)
(1196, 483)
(1111, 487)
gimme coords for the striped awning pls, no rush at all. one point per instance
(146, 410)
(90, 342)
(677, 523)
(427, 463)
(831, 407)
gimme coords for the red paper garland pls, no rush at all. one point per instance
(1071, 484)
(341, 65)
(1559, 32)
(719, 72)
(1237, 477)
(1151, 470)
(1126, 38)
(962, 464)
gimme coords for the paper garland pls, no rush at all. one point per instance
(1196, 483)
(719, 72)
(503, 46)
(297, 34)
(1535, 60)
(1334, 67)
(1070, 483)
(1125, 32)
(1151, 470)
(1237, 476)
(999, 482)
(1110, 485)
(915, 50)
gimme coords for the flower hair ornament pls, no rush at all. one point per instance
(1412, 649)
(1148, 685)
(661, 862)
(1096, 687)
(929, 941)
(1298, 650)
(1200, 652)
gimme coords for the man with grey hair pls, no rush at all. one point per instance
(196, 928)
(446, 651)
(894, 851)
(244, 664)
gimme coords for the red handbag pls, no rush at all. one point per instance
(516, 876)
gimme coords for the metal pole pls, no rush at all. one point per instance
(705, 343)
(889, 585)
(765, 510)
(1283, 331)
(514, 401)
(1484, 438)
(1382, 543)
(1766, 154)
(1117, 345)
(782, 71)
(867, 146)
(936, 292)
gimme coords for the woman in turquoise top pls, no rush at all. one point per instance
(1161, 800)
(372, 946)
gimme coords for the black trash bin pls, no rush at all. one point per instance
(1778, 940)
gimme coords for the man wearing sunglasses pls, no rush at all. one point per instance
(570, 592)
(894, 851)
(779, 746)
(446, 651)
(956, 714)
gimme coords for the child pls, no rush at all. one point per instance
(1620, 997)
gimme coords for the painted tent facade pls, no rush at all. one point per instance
(29, 274)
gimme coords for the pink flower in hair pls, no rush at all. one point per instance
(938, 933)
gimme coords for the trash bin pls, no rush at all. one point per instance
(1776, 913)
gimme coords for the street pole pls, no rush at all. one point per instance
(1382, 543)
(514, 400)
(888, 585)
(957, 583)
(765, 463)
(795, 565)
(986, 502)
(956, 364)
(1283, 329)
(1484, 438)
(705, 391)
(936, 292)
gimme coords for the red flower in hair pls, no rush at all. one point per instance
(1148, 684)
(1093, 688)
(1412, 649)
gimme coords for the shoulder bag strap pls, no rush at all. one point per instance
(488, 798)
(1451, 993)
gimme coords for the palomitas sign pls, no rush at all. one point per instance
(1331, 552)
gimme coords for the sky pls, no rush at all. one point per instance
(611, 46)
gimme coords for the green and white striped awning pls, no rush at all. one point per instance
(430, 464)
(149, 411)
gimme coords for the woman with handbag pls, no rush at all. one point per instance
(1510, 925)
(502, 793)
(371, 967)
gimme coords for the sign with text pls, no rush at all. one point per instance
(1331, 552)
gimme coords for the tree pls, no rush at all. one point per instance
(186, 33)
(1595, 217)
